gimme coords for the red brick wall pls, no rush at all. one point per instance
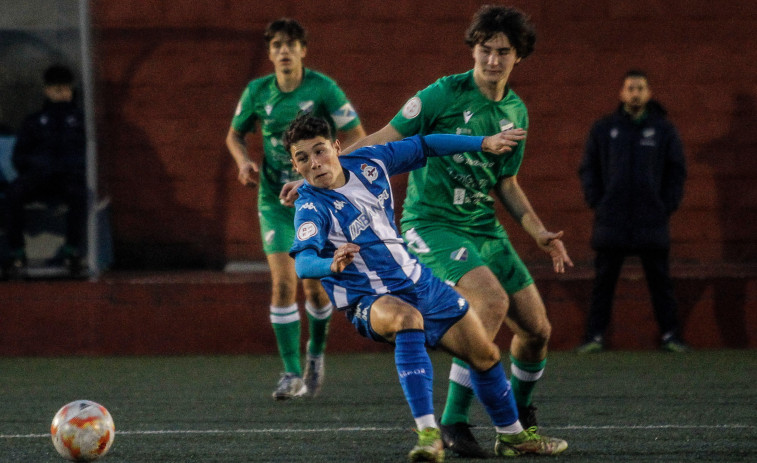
(169, 75)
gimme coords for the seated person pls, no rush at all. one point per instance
(49, 157)
(347, 237)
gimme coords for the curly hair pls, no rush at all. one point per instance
(304, 127)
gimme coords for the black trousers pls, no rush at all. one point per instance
(69, 188)
(656, 265)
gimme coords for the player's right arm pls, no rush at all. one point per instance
(248, 168)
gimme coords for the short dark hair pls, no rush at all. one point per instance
(491, 20)
(635, 73)
(304, 127)
(58, 74)
(288, 26)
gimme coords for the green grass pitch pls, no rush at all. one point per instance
(611, 407)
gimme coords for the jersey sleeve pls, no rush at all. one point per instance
(340, 109)
(511, 163)
(311, 224)
(418, 114)
(398, 157)
(244, 117)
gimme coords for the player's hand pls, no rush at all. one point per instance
(553, 245)
(247, 174)
(289, 193)
(343, 256)
(503, 142)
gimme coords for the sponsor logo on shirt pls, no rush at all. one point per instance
(412, 108)
(614, 133)
(338, 205)
(358, 225)
(309, 206)
(648, 139)
(369, 172)
(306, 230)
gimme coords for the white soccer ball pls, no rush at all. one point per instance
(82, 431)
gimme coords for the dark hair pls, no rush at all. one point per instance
(288, 26)
(304, 127)
(490, 20)
(58, 75)
(635, 73)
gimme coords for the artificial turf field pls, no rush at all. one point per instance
(610, 407)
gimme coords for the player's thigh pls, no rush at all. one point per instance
(379, 317)
(486, 296)
(527, 315)
(467, 339)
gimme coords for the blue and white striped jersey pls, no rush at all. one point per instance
(361, 212)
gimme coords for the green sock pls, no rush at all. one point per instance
(318, 327)
(459, 395)
(286, 327)
(523, 379)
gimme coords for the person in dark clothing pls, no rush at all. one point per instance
(632, 174)
(49, 157)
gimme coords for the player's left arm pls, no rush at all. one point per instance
(517, 204)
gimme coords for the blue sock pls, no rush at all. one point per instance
(494, 392)
(415, 371)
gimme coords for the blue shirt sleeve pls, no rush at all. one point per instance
(439, 144)
(307, 264)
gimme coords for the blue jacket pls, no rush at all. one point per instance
(632, 175)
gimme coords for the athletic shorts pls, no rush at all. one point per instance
(276, 222)
(440, 305)
(451, 253)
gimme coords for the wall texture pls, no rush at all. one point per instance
(169, 75)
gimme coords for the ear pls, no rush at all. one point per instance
(304, 51)
(338, 147)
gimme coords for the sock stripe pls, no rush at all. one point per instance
(319, 314)
(524, 375)
(283, 315)
(460, 375)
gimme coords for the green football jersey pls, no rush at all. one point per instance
(455, 189)
(262, 103)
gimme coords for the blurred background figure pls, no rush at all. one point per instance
(632, 174)
(49, 158)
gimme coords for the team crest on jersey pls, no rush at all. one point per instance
(467, 114)
(412, 108)
(338, 205)
(369, 172)
(306, 230)
(309, 206)
(306, 106)
(614, 133)
(505, 124)
(459, 255)
(268, 109)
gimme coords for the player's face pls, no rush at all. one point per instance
(494, 59)
(285, 53)
(317, 160)
(635, 93)
(59, 93)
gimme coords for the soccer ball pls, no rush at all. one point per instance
(82, 431)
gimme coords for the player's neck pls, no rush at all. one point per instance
(494, 91)
(289, 80)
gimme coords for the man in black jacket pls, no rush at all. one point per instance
(49, 156)
(632, 174)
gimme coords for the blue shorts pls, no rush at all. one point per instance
(440, 305)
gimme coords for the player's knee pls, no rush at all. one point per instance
(484, 357)
(409, 319)
(283, 290)
(539, 337)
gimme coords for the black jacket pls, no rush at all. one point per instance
(51, 140)
(632, 175)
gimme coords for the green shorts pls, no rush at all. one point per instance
(276, 222)
(451, 253)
